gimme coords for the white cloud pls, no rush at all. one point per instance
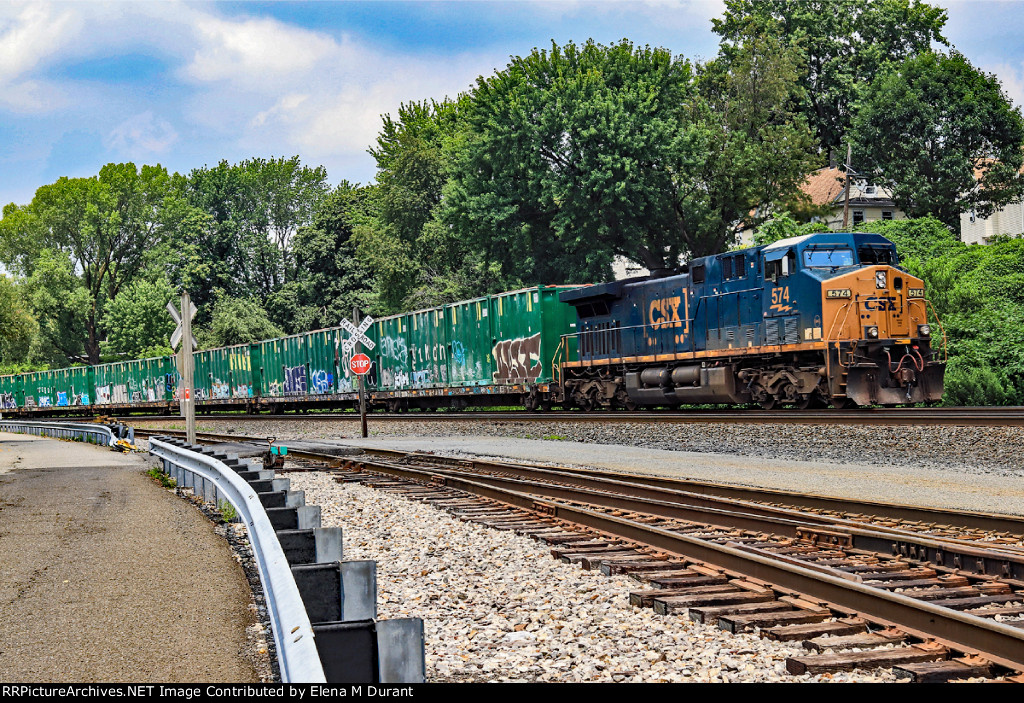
(29, 35)
(254, 52)
(141, 135)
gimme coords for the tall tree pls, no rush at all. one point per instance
(19, 329)
(330, 276)
(136, 322)
(943, 136)
(845, 43)
(414, 260)
(235, 223)
(106, 225)
(583, 153)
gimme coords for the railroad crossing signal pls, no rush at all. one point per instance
(358, 335)
(178, 331)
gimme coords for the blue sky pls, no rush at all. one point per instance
(186, 84)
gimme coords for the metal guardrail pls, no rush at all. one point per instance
(96, 434)
(296, 650)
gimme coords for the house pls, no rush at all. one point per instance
(1008, 219)
(826, 190)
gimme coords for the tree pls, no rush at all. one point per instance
(330, 277)
(416, 260)
(943, 136)
(236, 321)
(105, 225)
(845, 44)
(19, 329)
(234, 225)
(580, 154)
(137, 323)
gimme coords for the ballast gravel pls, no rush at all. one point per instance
(497, 607)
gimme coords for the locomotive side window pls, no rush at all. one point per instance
(740, 270)
(697, 274)
(727, 267)
(876, 255)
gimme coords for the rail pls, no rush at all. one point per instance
(83, 432)
(296, 650)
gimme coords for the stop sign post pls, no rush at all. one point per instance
(360, 363)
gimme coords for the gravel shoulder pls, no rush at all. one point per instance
(109, 577)
(497, 607)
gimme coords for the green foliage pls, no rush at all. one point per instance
(161, 478)
(783, 226)
(62, 305)
(105, 226)
(844, 44)
(331, 278)
(581, 153)
(137, 323)
(236, 321)
(19, 329)
(927, 126)
(227, 511)
(233, 226)
(416, 261)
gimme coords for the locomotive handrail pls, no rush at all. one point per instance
(293, 633)
(945, 352)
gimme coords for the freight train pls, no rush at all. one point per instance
(823, 319)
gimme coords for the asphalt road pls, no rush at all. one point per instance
(107, 577)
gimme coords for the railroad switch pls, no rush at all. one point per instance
(273, 458)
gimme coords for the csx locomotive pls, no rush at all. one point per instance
(820, 319)
(806, 321)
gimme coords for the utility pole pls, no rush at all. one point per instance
(846, 204)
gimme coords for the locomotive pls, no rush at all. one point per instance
(807, 321)
(821, 319)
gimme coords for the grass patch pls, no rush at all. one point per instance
(161, 478)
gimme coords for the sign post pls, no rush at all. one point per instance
(360, 363)
(186, 364)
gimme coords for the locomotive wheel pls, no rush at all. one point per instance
(768, 403)
(804, 402)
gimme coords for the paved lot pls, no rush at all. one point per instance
(106, 576)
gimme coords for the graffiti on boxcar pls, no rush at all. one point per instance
(517, 359)
(394, 348)
(275, 388)
(321, 381)
(62, 399)
(219, 389)
(119, 394)
(243, 392)
(45, 401)
(458, 352)
(81, 399)
(295, 380)
(419, 377)
(7, 401)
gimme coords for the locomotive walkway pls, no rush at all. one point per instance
(108, 577)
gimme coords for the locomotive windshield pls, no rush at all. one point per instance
(877, 255)
(831, 257)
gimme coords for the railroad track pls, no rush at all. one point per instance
(978, 417)
(946, 587)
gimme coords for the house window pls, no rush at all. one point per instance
(886, 214)
(858, 217)
(869, 190)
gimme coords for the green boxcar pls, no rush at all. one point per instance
(470, 361)
(323, 358)
(527, 331)
(40, 389)
(138, 381)
(73, 387)
(393, 361)
(428, 349)
(282, 371)
(223, 373)
(12, 392)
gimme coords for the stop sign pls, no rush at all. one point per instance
(360, 364)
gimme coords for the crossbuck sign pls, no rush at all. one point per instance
(358, 335)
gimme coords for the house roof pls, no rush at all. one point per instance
(824, 185)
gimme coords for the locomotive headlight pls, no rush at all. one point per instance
(879, 279)
(871, 332)
(924, 330)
